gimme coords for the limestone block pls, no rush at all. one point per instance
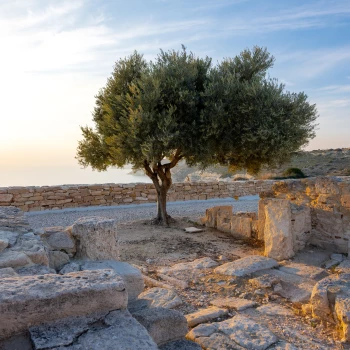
(245, 266)
(6, 197)
(261, 218)
(34, 270)
(57, 259)
(33, 247)
(131, 276)
(96, 238)
(241, 226)
(301, 226)
(247, 333)
(117, 330)
(33, 300)
(205, 315)
(58, 238)
(202, 263)
(342, 313)
(163, 325)
(211, 214)
(224, 220)
(274, 310)
(161, 297)
(278, 229)
(9, 258)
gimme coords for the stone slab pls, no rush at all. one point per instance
(303, 270)
(202, 263)
(131, 275)
(193, 230)
(238, 304)
(163, 325)
(205, 315)
(274, 310)
(33, 300)
(246, 266)
(161, 297)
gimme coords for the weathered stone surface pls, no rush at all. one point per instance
(180, 345)
(57, 259)
(34, 270)
(224, 220)
(161, 297)
(205, 315)
(6, 197)
(241, 226)
(131, 275)
(246, 266)
(282, 345)
(74, 294)
(211, 214)
(10, 237)
(33, 247)
(58, 238)
(264, 281)
(163, 325)
(238, 332)
(3, 244)
(18, 342)
(71, 267)
(203, 263)
(333, 293)
(344, 267)
(12, 219)
(117, 330)
(301, 226)
(274, 310)
(9, 258)
(7, 272)
(238, 304)
(247, 333)
(278, 229)
(96, 238)
(218, 341)
(303, 270)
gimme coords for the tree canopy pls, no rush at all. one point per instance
(182, 107)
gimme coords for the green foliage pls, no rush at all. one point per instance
(295, 173)
(182, 107)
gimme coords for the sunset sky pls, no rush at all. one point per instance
(55, 55)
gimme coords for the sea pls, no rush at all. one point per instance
(68, 175)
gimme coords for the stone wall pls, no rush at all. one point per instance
(329, 202)
(70, 196)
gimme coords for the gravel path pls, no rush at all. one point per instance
(125, 213)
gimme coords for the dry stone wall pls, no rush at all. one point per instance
(70, 196)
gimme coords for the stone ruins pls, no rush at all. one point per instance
(66, 288)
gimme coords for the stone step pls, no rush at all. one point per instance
(33, 300)
(205, 315)
(163, 325)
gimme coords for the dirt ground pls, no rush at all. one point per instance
(150, 247)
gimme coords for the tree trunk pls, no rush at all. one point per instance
(162, 214)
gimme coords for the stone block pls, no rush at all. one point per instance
(211, 214)
(301, 226)
(29, 301)
(7, 272)
(57, 259)
(245, 266)
(96, 238)
(163, 325)
(224, 220)
(278, 229)
(241, 226)
(205, 315)
(58, 238)
(161, 297)
(131, 276)
(9, 258)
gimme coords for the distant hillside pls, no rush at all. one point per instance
(334, 162)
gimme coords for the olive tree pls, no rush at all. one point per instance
(153, 114)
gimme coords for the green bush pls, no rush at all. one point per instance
(295, 173)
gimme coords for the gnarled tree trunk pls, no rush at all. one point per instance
(161, 177)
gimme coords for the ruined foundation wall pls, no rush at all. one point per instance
(329, 202)
(70, 196)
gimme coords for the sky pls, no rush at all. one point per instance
(56, 55)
